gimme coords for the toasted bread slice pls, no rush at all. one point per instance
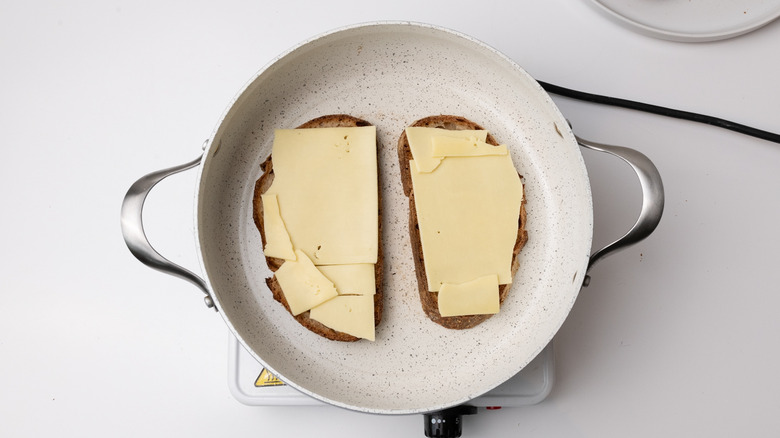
(262, 185)
(429, 300)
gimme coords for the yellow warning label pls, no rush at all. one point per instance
(267, 379)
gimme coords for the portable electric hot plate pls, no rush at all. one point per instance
(251, 384)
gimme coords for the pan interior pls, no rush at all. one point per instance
(392, 74)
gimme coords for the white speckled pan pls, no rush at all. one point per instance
(392, 74)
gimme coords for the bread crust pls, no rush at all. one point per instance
(429, 300)
(263, 184)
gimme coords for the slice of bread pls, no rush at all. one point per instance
(429, 300)
(262, 185)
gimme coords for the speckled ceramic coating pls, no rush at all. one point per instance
(392, 74)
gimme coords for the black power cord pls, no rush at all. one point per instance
(663, 111)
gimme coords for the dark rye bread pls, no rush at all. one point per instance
(429, 300)
(262, 185)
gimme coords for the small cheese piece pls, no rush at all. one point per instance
(352, 314)
(355, 279)
(464, 147)
(277, 241)
(303, 284)
(475, 297)
(468, 212)
(326, 183)
(421, 145)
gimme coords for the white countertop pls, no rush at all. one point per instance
(674, 337)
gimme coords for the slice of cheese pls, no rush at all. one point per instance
(277, 241)
(468, 212)
(303, 284)
(355, 279)
(352, 314)
(475, 297)
(443, 147)
(421, 145)
(325, 180)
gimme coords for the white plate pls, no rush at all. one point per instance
(691, 20)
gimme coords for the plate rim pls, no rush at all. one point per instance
(686, 37)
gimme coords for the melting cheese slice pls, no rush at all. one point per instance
(420, 143)
(325, 180)
(352, 314)
(475, 297)
(277, 241)
(468, 212)
(464, 147)
(356, 279)
(303, 284)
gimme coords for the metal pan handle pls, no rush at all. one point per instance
(133, 228)
(652, 199)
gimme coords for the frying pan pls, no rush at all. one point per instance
(391, 74)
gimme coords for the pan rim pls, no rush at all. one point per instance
(213, 145)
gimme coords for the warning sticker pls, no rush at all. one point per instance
(267, 379)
